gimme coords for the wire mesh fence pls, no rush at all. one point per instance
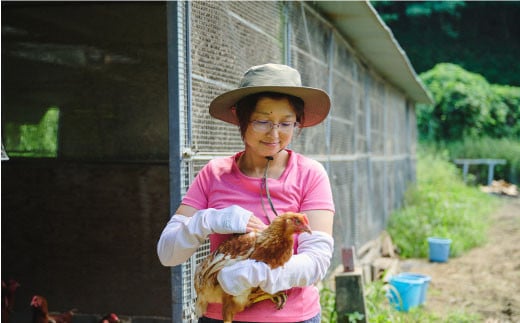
(366, 144)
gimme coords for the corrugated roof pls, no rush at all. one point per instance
(362, 27)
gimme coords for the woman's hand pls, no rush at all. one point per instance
(255, 224)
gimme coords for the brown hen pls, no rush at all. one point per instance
(273, 246)
(41, 314)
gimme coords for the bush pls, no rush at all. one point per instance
(462, 103)
(507, 109)
(467, 105)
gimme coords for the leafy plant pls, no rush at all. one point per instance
(355, 317)
(328, 305)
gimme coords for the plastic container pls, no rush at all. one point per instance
(439, 249)
(404, 292)
(425, 279)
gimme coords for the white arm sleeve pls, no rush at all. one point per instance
(183, 235)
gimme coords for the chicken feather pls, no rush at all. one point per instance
(273, 246)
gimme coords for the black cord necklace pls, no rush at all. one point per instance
(269, 159)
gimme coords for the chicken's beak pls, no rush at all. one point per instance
(305, 227)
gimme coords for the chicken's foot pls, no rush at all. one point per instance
(279, 299)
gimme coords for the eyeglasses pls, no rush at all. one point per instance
(266, 126)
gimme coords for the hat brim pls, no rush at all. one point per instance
(316, 102)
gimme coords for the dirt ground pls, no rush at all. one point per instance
(485, 280)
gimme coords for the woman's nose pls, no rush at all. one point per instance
(275, 131)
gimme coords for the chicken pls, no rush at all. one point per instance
(273, 246)
(8, 291)
(110, 318)
(41, 314)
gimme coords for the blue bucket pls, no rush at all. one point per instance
(405, 292)
(425, 283)
(439, 249)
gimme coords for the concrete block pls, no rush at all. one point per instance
(350, 296)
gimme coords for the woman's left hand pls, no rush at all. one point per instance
(255, 224)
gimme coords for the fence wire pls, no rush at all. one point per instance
(366, 144)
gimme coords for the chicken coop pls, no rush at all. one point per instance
(105, 124)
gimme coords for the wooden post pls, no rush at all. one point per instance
(350, 296)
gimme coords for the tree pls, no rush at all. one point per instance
(480, 36)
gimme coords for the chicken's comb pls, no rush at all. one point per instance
(113, 317)
(36, 300)
(305, 219)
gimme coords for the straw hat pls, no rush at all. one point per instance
(273, 78)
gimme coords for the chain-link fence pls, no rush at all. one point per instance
(367, 143)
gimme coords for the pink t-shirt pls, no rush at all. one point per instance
(304, 185)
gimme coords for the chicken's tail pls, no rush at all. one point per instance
(200, 307)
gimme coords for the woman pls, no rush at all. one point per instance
(244, 192)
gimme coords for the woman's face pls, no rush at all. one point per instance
(270, 142)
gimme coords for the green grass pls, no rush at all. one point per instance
(440, 205)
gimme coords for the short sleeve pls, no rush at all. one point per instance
(317, 194)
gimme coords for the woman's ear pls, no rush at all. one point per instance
(234, 112)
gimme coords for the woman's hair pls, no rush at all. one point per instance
(246, 106)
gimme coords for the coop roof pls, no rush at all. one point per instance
(366, 32)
